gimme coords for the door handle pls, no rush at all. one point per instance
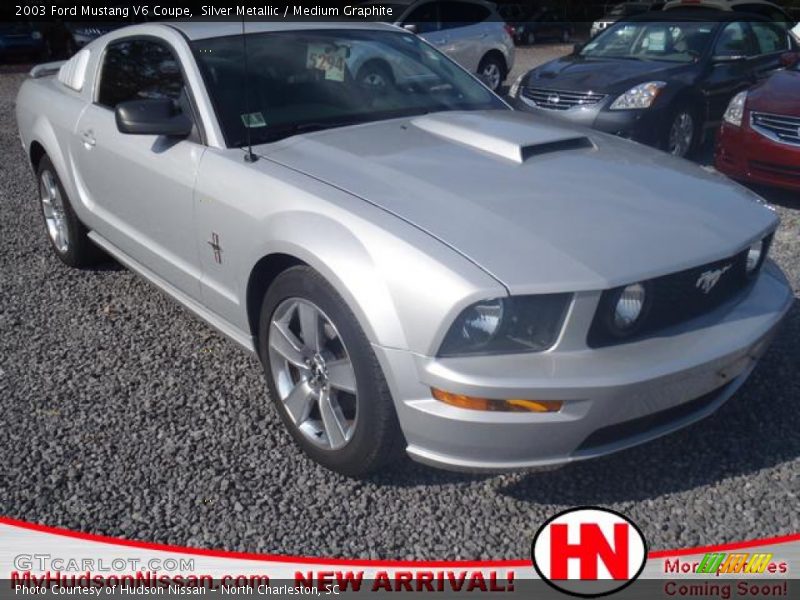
(441, 42)
(88, 138)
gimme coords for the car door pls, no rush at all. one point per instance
(771, 41)
(731, 68)
(466, 35)
(424, 20)
(140, 187)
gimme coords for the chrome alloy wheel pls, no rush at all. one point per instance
(53, 208)
(375, 79)
(681, 135)
(492, 74)
(313, 373)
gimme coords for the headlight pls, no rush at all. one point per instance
(755, 256)
(735, 110)
(514, 89)
(629, 306)
(36, 35)
(507, 326)
(640, 96)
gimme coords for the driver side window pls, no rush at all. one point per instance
(734, 41)
(136, 70)
(425, 17)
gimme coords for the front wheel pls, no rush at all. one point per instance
(492, 70)
(376, 76)
(682, 133)
(323, 376)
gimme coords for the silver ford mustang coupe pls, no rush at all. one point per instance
(417, 266)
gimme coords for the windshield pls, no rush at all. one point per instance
(664, 41)
(309, 80)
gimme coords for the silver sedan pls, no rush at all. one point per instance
(418, 267)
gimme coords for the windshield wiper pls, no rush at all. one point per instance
(287, 131)
(281, 133)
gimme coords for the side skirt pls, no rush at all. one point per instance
(197, 309)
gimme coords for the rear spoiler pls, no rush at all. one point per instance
(46, 69)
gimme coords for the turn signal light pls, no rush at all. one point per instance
(472, 403)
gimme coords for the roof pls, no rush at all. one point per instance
(197, 30)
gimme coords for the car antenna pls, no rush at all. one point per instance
(249, 156)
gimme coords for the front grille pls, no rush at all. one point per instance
(675, 298)
(619, 432)
(560, 100)
(772, 169)
(779, 128)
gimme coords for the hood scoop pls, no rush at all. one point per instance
(508, 138)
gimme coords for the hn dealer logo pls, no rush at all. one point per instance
(589, 552)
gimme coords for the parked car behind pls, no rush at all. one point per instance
(468, 31)
(763, 8)
(623, 10)
(759, 139)
(20, 40)
(537, 24)
(661, 78)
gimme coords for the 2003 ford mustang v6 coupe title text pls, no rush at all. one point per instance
(416, 265)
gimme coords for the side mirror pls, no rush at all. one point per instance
(576, 49)
(153, 116)
(411, 28)
(728, 58)
(790, 59)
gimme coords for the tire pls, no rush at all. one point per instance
(493, 69)
(680, 137)
(361, 432)
(376, 76)
(67, 235)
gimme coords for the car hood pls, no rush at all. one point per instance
(540, 206)
(603, 75)
(780, 94)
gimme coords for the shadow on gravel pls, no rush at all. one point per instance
(109, 265)
(754, 430)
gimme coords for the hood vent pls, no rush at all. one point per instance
(578, 143)
(503, 135)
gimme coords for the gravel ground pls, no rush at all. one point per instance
(124, 416)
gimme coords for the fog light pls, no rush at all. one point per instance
(487, 404)
(629, 306)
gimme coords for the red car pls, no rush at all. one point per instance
(759, 140)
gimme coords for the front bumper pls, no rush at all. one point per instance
(615, 397)
(746, 155)
(644, 126)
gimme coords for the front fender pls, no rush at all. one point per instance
(343, 260)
